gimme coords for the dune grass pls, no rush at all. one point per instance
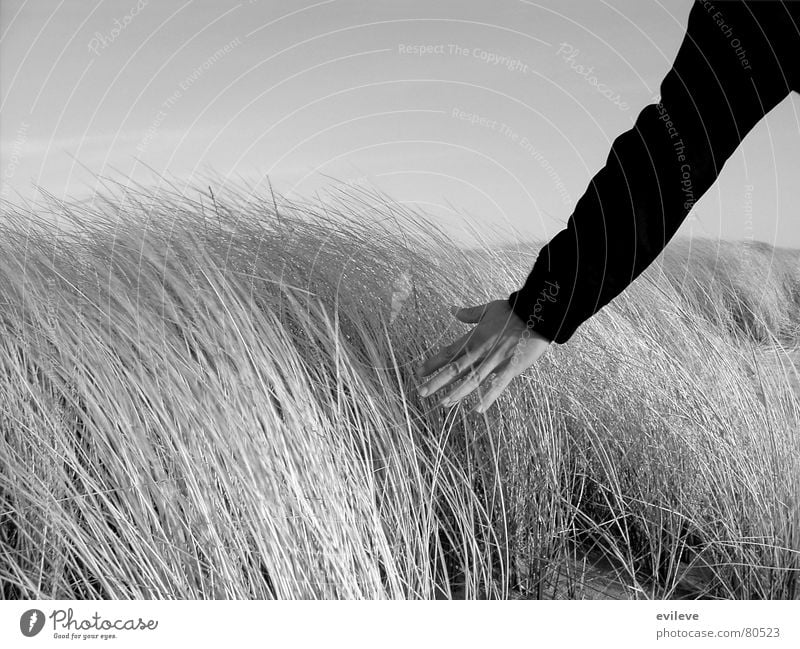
(211, 396)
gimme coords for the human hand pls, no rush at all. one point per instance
(490, 356)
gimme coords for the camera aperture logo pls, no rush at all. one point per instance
(31, 622)
(66, 626)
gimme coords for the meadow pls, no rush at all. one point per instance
(211, 395)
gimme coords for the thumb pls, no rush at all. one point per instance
(471, 314)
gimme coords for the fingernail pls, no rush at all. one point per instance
(422, 391)
(445, 403)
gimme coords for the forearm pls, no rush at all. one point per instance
(656, 171)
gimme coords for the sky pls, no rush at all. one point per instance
(479, 114)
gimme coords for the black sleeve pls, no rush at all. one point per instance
(736, 62)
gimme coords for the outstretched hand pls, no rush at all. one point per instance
(499, 348)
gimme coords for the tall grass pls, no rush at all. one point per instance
(211, 396)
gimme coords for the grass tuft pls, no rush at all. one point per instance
(210, 395)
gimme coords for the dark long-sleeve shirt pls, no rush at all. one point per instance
(737, 61)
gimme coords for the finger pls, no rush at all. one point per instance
(445, 355)
(503, 375)
(452, 372)
(474, 379)
(470, 314)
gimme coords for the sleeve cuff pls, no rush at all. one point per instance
(542, 311)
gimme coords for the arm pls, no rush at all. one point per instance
(655, 172)
(710, 99)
